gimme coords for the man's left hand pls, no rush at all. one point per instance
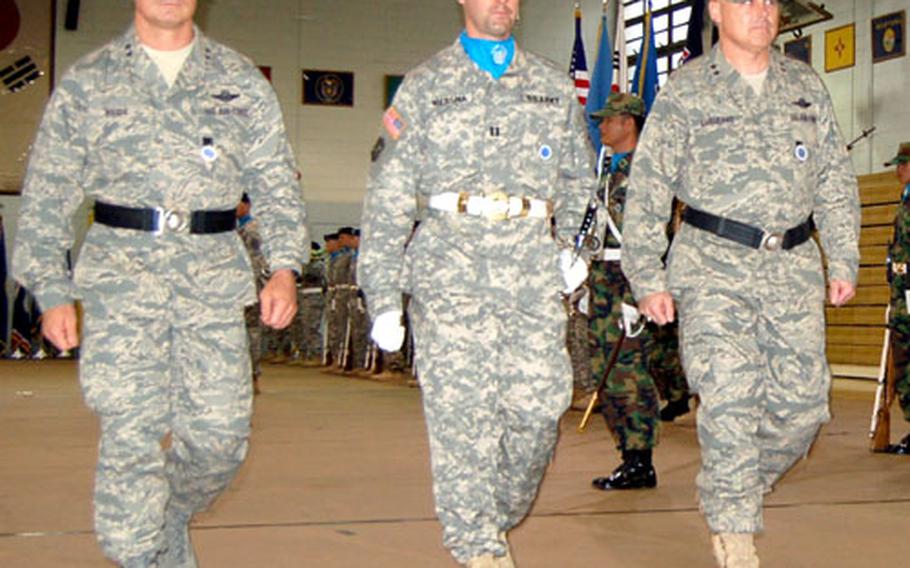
(278, 299)
(840, 292)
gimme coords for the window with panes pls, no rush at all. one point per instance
(670, 21)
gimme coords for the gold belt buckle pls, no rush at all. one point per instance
(497, 206)
(899, 268)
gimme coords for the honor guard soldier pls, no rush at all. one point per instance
(747, 139)
(630, 405)
(331, 336)
(164, 129)
(252, 240)
(345, 296)
(899, 320)
(490, 141)
(312, 305)
(360, 320)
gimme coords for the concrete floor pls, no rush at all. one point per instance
(338, 476)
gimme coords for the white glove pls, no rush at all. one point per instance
(387, 332)
(584, 303)
(574, 270)
(630, 318)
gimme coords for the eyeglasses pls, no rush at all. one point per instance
(763, 2)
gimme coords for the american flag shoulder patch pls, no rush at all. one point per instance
(393, 123)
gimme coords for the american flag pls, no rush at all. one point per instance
(578, 67)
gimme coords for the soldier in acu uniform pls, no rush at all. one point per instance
(899, 322)
(491, 141)
(748, 140)
(164, 128)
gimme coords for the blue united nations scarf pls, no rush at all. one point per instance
(492, 56)
(906, 193)
(616, 159)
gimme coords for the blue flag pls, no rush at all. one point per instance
(644, 84)
(694, 42)
(601, 81)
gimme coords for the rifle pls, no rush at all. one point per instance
(327, 326)
(373, 362)
(326, 357)
(880, 428)
(865, 134)
(344, 361)
(603, 381)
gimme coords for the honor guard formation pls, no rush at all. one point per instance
(505, 263)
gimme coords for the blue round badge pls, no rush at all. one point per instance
(499, 54)
(801, 152)
(209, 153)
(545, 152)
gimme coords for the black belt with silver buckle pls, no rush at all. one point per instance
(158, 219)
(747, 234)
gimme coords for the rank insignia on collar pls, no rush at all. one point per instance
(802, 103)
(225, 97)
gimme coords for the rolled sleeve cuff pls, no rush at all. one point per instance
(382, 302)
(842, 270)
(643, 287)
(53, 294)
(287, 262)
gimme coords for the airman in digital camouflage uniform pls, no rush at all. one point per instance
(748, 140)
(899, 259)
(491, 141)
(165, 129)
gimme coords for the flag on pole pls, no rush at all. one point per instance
(578, 67)
(644, 82)
(4, 305)
(601, 79)
(695, 34)
(620, 61)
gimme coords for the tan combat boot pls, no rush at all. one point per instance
(734, 550)
(484, 561)
(505, 561)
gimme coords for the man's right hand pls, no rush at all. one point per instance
(58, 325)
(657, 307)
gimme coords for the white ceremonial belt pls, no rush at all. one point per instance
(497, 206)
(609, 255)
(311, 290)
